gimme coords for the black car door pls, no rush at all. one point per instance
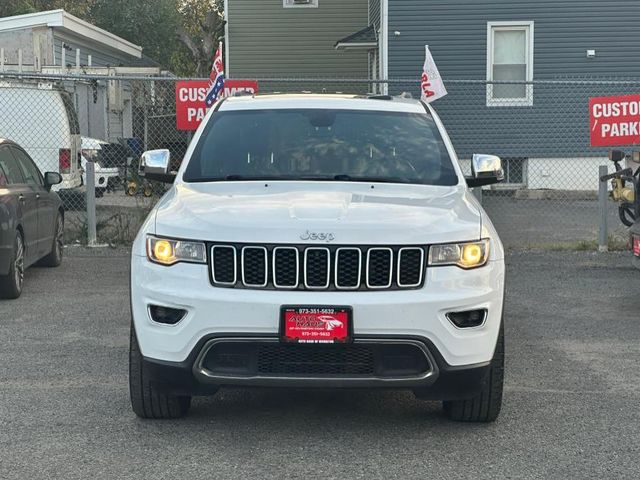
(19, 202)
(44, 200)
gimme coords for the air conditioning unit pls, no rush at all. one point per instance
(302, 2)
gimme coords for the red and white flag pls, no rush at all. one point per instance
(431, 84)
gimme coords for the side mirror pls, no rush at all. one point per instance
(156, 165)
(617, 155)
(51, 179)
(485, 170)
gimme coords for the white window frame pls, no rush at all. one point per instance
(527, 100)
(292, 4)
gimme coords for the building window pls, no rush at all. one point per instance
(510, 59)
(515, 171)
(300, 3)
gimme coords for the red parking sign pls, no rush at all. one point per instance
(614, 121)
(190, 96)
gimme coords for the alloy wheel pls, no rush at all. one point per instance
(19, 262)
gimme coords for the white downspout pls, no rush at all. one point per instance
(384, 50)
(227, 60)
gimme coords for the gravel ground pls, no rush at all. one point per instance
(544, 223)
(570, 408)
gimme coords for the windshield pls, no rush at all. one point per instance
(319, 144)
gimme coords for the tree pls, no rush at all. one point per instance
(19, 7)
(150, 24)
(201, 30)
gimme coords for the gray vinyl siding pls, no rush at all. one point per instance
(456, 31)
(99, 58)
(116, 130)
(92, 111)
(374, 13)
(267, 40)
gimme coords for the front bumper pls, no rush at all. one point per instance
(439, 381)
(215, 312)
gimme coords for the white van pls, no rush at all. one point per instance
(43, 121)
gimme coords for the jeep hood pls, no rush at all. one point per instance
(283, 212)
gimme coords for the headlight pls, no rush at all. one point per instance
(166, 251)
(464, 255)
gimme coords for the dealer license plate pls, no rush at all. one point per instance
(316, 324)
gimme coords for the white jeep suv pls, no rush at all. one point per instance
(318, 241)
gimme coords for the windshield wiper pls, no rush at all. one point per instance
(238, 178)
(342, 177)
(350, 178)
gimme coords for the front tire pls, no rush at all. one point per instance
(484, 407)
(146, 400)
(132, 189)
(11, 284)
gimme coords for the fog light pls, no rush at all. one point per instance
(167, 315)
(468, 319)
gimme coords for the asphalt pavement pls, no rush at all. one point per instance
(571, 405)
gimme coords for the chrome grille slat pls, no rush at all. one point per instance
(340, 271)
(223, 277)
(313, 273)
(252, 266)
(377, 269)
(317, 267)
(280, 272)
(409, 268)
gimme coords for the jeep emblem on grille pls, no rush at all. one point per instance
(322, 236)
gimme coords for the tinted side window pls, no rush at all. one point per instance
(29, 170)
(9, 171)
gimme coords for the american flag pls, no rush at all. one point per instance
(216, 83)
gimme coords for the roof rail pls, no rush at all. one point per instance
(242, 93)
(379, 97)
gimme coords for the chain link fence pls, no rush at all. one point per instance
(540, 129)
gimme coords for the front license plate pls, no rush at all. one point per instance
(316, 324)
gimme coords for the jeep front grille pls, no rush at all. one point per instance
(306, 267)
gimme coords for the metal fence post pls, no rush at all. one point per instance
(603, 244)
(91, 203)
